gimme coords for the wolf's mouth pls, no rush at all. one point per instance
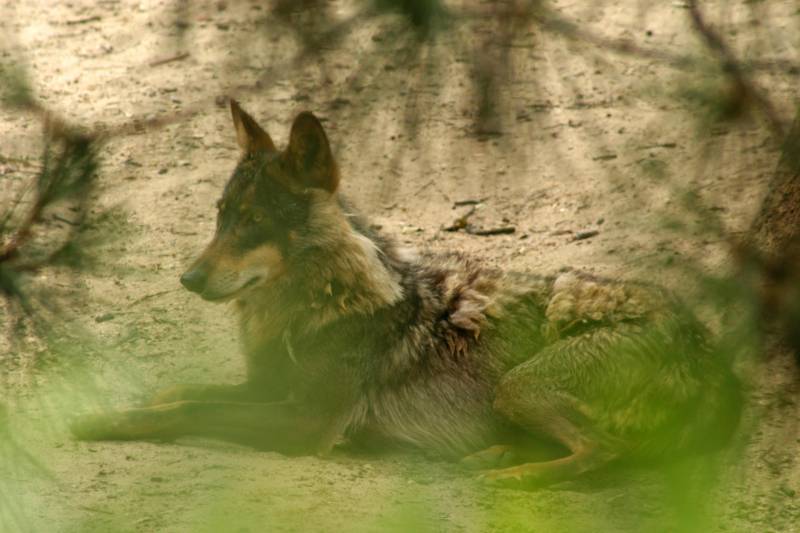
(224, 297)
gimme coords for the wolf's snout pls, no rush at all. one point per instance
(195, 279)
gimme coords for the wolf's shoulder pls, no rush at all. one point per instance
(474, 293)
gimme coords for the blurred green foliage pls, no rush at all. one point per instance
(685, 492)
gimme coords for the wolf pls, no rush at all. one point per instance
(350, 339)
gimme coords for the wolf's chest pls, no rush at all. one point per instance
(445, 414)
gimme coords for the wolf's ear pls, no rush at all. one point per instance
(249, 134)
(309, 154)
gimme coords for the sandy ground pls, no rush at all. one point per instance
(582, 131)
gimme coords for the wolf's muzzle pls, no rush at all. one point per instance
(195, 279)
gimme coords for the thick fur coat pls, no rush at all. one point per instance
(350, 339)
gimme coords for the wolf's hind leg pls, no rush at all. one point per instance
(497, 456)
(523, 450)
(587, 449)
(534, 475)
(543, 396)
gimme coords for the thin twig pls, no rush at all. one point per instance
(488, 232)
(151, 296)
(84, 20)
(164, 61)
(461, 203)
(59, 218)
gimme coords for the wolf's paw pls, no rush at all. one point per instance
(497, 456)
(507, 478)
(527, 476)
(130, 424)
(102, 426)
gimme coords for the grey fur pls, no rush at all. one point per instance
(350, 339)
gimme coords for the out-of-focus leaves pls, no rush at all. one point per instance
(69, 173)
(423, 15)
(15, 89)
(44, 226)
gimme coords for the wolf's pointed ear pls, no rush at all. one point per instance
(309, 154)
(249, 134)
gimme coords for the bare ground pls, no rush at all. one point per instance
(582, 131)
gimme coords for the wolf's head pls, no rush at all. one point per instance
(265, 207)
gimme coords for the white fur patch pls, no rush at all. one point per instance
(357, 260)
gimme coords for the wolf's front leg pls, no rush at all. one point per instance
(280, 426)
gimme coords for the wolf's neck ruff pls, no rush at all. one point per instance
(351, 260)
(338, 272)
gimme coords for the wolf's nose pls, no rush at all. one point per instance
(194, 279)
